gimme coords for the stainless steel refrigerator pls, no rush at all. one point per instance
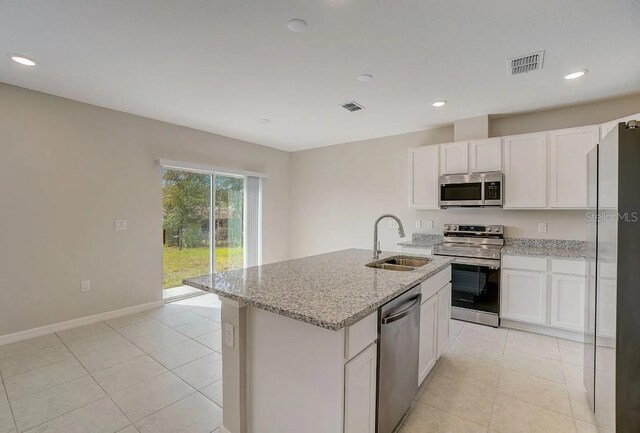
(612, 332)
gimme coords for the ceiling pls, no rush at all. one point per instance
(220, 65)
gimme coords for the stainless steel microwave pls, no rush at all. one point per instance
(471, 190)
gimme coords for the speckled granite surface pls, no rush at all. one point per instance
(331, 290)
(422, 240)
(545, 247)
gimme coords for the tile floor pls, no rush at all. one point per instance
(160, 371)
(503, 381)
(157, 371)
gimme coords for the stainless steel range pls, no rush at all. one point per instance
(475, 273)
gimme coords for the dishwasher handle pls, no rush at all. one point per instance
(415, 302)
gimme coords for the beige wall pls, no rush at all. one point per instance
(67, 171)
(337, 192)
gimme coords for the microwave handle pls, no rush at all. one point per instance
(482, 191)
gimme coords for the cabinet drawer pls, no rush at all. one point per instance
(435, 283)
(574, 267)
(361, 334)
(526, 263)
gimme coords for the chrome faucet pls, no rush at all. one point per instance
(376, 247)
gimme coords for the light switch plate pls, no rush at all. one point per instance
(228, 335)
(429, 224)
(542, 227)
(418, 224)
(121, 225)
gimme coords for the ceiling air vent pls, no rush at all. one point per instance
(352, 106)
(524, 64)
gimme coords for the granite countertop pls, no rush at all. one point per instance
(422, 240)
(332, 290)
(567, 249)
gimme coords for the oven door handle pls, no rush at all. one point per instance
(493, 264)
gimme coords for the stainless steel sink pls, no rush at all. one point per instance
(399, 263)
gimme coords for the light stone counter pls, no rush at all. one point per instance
(332, 290)
(567, 249)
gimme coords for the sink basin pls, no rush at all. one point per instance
(414, 262)
(399, 263)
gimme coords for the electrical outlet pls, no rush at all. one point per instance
(228, 335)
(429, 224)
(393, 224)
(121, 225)
(418, 224)
(542, 227)
(85, 286)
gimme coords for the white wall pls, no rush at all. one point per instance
(67, 171)
(337, 192)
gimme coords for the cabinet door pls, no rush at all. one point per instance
(524, 296)
(485, 155)
(444, 318)
(567, 302)
(360, 392)
(423, 177)
(568, 149)
(428, 337)
(454, 158)
(525, 171)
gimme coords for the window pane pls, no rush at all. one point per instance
(186, 211)
(229, 208)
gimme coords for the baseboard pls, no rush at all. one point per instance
(61, 326)
(545, 330)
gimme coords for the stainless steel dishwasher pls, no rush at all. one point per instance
(399, 328)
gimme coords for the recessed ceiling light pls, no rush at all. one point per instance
(365, 78)
(23, 60)
(439, 103)
(264, 120)
(297, 25)
(574, 75)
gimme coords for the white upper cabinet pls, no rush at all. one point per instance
(423, 177)
(485, 155)
(605, 128)
(525, 171)
(454, 158)
(568, 149)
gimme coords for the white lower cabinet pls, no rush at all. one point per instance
(567, 302)
(428, 337)
(360, 392)
(444, 318)
(524, 296)
(554, 299)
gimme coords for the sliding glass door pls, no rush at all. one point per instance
(199, 238)
(229, 223)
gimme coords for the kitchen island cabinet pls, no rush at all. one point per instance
(300, 340)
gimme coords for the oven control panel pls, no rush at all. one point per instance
(477, 229)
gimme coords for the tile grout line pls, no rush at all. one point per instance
(4, 388)
(495, 394)
(97, 383)
(79, 407)
(196, 391)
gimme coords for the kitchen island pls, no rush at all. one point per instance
(299, 339)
